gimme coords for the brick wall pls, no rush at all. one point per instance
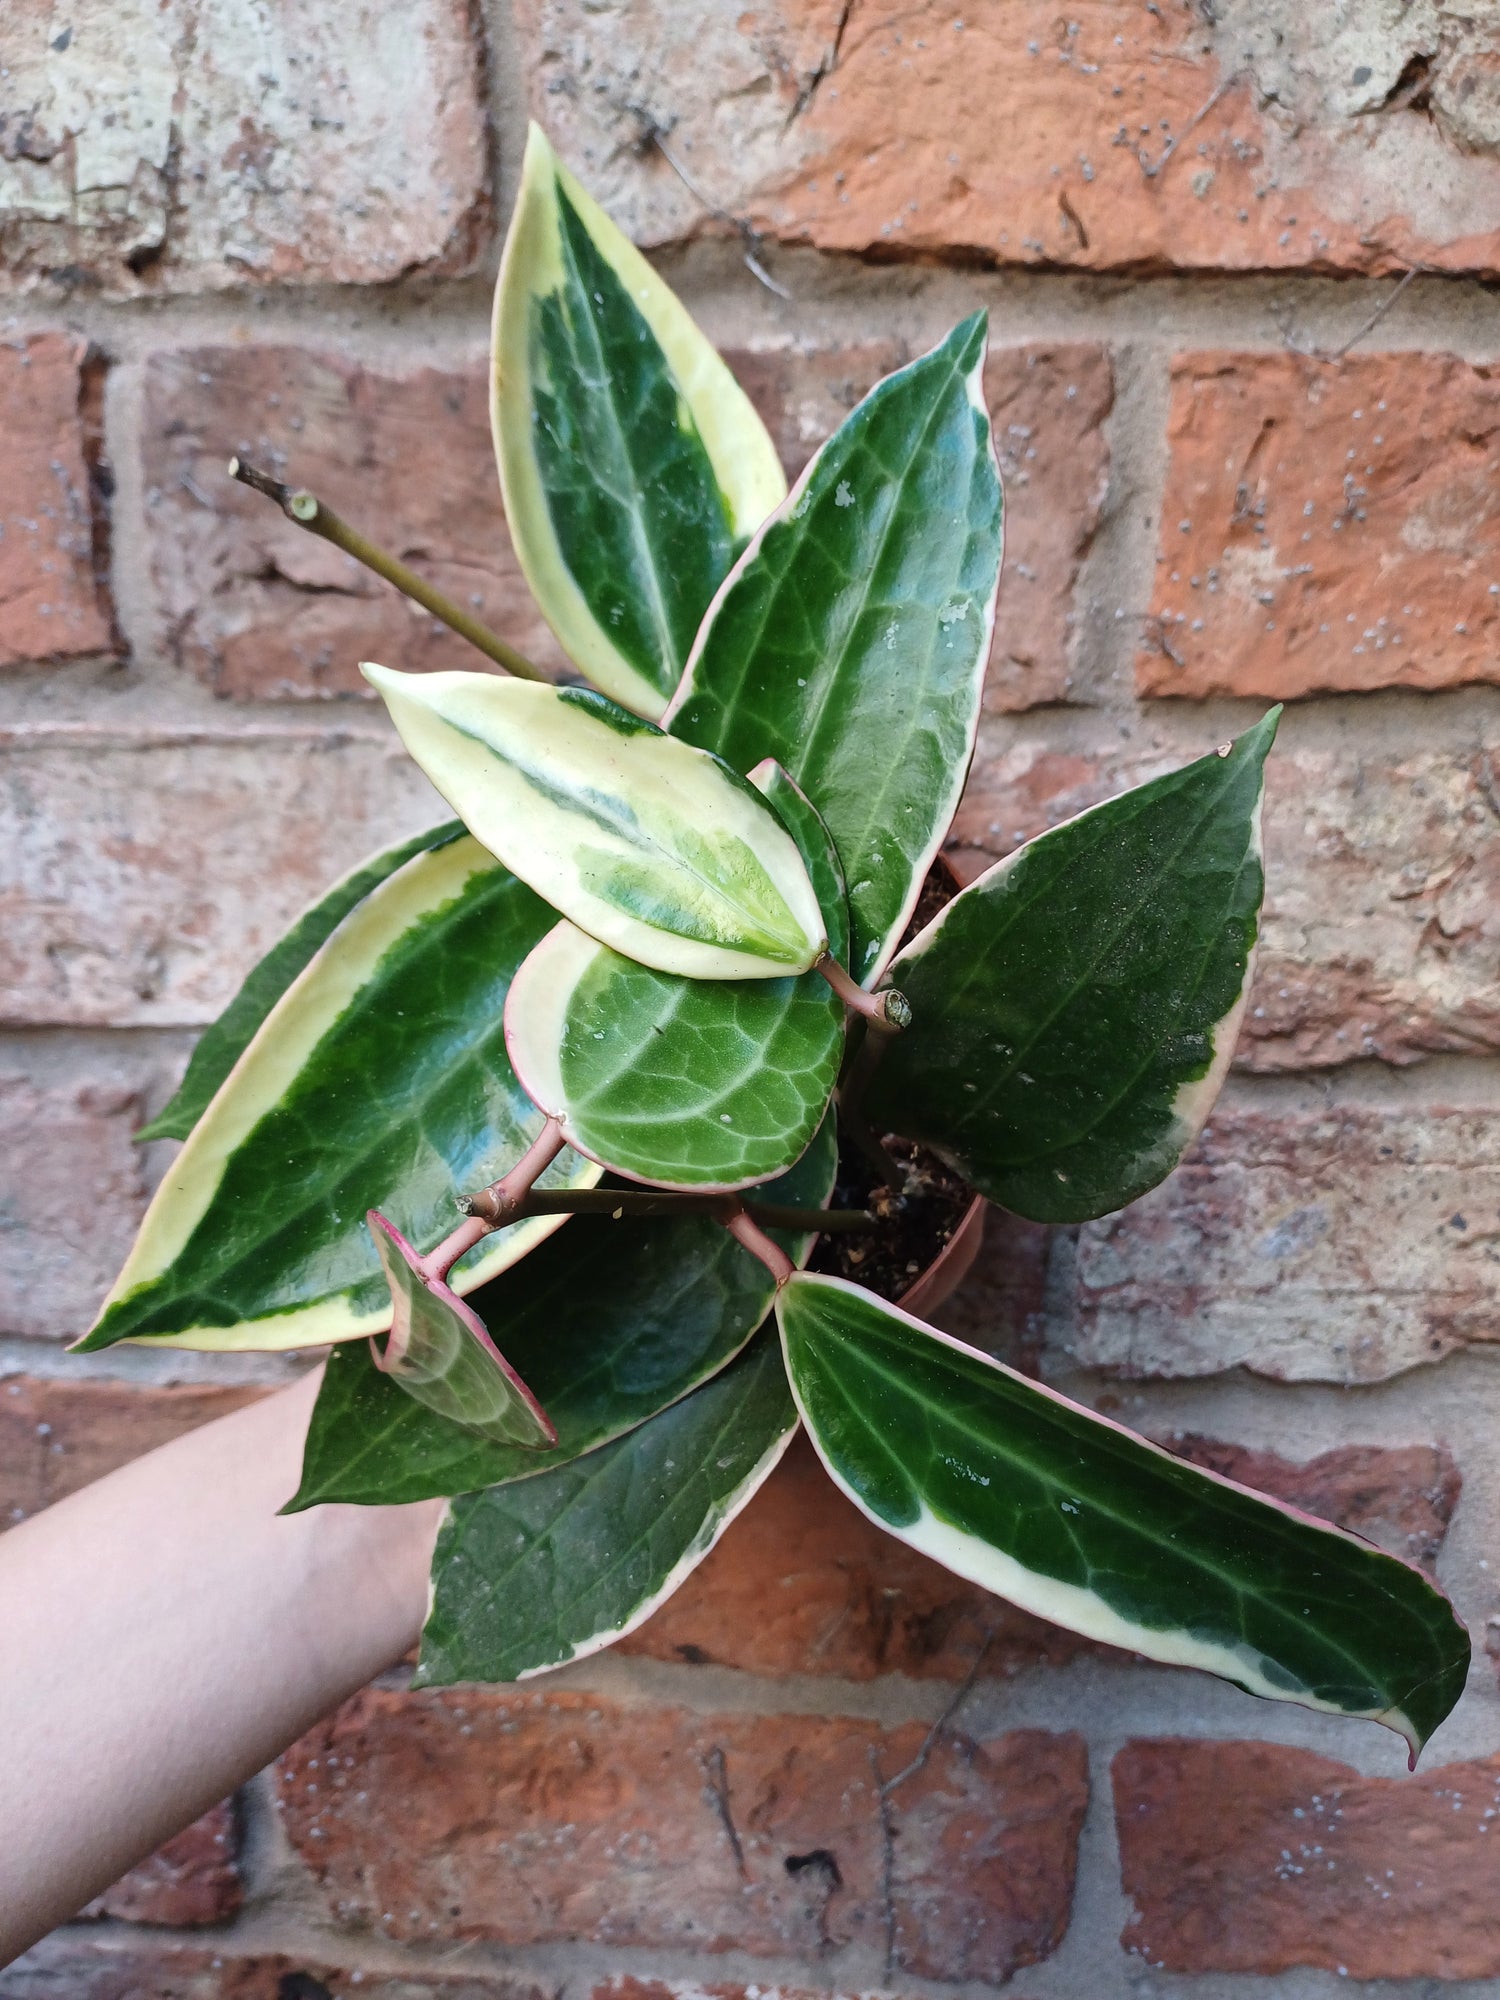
(1237, 261)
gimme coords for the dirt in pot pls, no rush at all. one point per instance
(914, 1227)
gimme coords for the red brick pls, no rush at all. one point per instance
(53, 598)
(534, 1817)
(58, 1436)
(1134, 137)
(142, 874)
(1327, 528)
(1382, 917)
(70, 1966)
(803, 1583)
(189, 144)
(1252, 1857)
(193, 1879)
(66, 1149)
(1338, 1244)
(256, 606)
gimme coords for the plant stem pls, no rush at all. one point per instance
(503, 1201)
(310, 513)
(754, 1239)
(851, 1113)
(649, 1203)
(887, 1010)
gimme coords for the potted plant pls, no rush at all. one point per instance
(664, 985)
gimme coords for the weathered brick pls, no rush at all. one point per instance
(198, 143)
(1160, 137)
(65, 1150)
(71, 1966)
(257, 606)
(1254, 1857)
(53, 598)
(58, 1436)
(1334, 1244)
(534, 1816)
(143, 874)
(192, 1879)
(626, 1986)
(1327, 528)
(803, 1583)
(1382, 916)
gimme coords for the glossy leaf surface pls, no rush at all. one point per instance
(607, 1324)
(439, 1352)
(683, 1082)
(849, 641)
(546, 1570)
(378, 1080)
(1076, 1008)
(654, 848)
(1077, 1520)
(632, 463)
(220, 1046)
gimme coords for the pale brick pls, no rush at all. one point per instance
(1244, 137)
(1329, 1244)
(59, 1435)
(71, 1966)
(53, 523)
(1327, 528)
(200, 143)
(66, 1151)
(1382, 915)
(529, 1817)
(141, 876)
(256, 606)
(1254, 1857)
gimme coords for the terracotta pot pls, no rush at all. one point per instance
(950, 1267)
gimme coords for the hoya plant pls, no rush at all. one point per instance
(607, 1132)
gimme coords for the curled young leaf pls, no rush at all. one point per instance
(654, 848)
(440, 1353)
(632, 463)
(1078, 1520)
(608, 1323)
(1076, 1008)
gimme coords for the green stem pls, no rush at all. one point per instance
(310, 513)
(648, 1203)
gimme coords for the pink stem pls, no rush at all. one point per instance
(500, 1201)
(887, 1009)
(756, 1241)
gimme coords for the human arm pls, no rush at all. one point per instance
(164, 1633)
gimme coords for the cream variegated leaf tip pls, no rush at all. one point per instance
(633, 465)
(651, 846)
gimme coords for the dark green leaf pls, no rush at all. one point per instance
(221, 1046)
(1075, 1009)
(378, 1080)
(850, 640)
(1077, 1520)
(545, 1570)
(607, 1324)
